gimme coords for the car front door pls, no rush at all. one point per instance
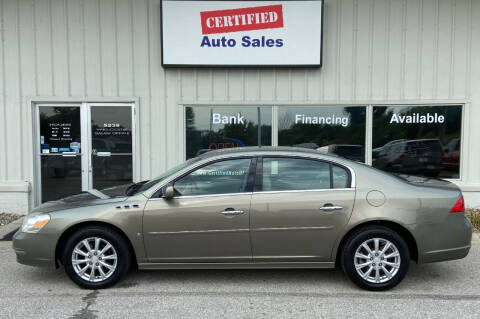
(208, 218)
(298, 208)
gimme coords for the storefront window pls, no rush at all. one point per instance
(211, 128)
(417, 140)
(333, 129)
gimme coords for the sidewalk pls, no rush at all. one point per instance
(476, 238)
(9, 228)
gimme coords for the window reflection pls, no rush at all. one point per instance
(417, 140)
(281, 174)
(212, 128)
(333, 129)
(217, 178)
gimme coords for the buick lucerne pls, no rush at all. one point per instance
(260, 207)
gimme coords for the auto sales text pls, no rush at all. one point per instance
(246, 42)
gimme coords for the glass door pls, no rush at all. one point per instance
(59, 151)
(82, 146)
(111, 145)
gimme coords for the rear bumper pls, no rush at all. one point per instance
(445, 254)
(448, 240)
(34, 249)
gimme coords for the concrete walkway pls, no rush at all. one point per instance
(7, 229)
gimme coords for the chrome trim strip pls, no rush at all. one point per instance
(292, 228)
(182, 232)
(306, 190)
(201, 196)
(261, 192)
(353, 181)
(235, 265)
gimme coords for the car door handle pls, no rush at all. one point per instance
(232, 212)
(330, 208)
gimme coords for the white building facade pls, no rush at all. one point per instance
(85, 101)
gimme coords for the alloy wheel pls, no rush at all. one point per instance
(377, 260)
(94, 259)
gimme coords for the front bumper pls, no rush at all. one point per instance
(34, 249)
(448, 240)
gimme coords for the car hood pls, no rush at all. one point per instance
(89, 198)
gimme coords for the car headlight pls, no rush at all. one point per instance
(35, 223)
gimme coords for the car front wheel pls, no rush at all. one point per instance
(375, 258)
(96, 257)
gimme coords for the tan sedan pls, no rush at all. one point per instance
(253, 208)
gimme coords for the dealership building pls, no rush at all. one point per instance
(98, 93)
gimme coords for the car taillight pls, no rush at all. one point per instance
(459, 206)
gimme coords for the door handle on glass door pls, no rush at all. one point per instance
(232, 212)
(330, 208)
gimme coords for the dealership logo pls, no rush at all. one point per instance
(237, 20)
(243, 19)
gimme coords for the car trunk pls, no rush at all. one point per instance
(429, 182)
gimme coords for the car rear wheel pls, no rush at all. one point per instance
(96, 257)
(375, 258)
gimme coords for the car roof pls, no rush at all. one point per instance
(264, 149)
(423, 140)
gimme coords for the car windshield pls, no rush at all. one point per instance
(165, 175)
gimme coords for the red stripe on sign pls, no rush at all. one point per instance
(243, 19)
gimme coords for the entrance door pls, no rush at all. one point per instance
(83, 146)
(60, 151)
(111, 146)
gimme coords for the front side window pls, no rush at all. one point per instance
(283, 174)
(223, 177)
(417, 140)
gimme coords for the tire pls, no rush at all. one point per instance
(109, 266)
(391, 271)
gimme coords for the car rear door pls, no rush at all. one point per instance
(207, 220)
(298, 208)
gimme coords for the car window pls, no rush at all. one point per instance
(223, 177)
(339, 177)
(280, 174)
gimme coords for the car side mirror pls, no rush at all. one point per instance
(169, 192)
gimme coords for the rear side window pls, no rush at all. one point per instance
(281, 174)
(284, 174)
(340, 177)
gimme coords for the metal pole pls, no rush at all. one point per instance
(259, 141)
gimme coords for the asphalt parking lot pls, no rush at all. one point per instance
(449, 289)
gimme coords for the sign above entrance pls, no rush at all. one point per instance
(241, 33)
